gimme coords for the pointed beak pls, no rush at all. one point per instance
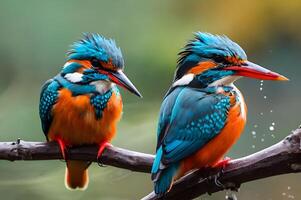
(253, 70)
(121, 79)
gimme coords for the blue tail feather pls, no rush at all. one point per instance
(157, 160)
(164, 182)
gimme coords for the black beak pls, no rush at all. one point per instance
(121, 79)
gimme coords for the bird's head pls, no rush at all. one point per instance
(210, 60)
(95, 58)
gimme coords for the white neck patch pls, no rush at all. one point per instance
(74, 77)
(185, 80)
(228, 80)
(102, 86)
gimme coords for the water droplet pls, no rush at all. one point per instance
(261, 81)
(273, 123)
(231, 196)
(261, 113)
(271, 128)
(262, 140)
(271, 111)
(255, 126)
(283, 193)
(253, 146)
(288, 187)
(291, 196)
(272, 135)
(253, 133)
(260, 88)
(264, 97)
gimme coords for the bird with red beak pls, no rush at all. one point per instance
(203, 113)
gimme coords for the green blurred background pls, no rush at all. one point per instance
(36, 34)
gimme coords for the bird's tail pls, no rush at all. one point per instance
(76, 175)
(165, 179)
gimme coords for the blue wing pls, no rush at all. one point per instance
(48, 98)
(189, 119)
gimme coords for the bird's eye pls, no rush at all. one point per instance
(219, 59)
(95, 63)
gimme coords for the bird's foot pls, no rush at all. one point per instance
(215, 179)
(222, 163)
(63, 147)
(101, 148)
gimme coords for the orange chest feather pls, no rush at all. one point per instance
(75, 122)
(214, 150)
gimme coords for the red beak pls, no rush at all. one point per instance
(253, 70)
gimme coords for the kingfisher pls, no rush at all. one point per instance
(82, 104)
(203, 113)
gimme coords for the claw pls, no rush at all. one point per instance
(102, 147)
(217, 182)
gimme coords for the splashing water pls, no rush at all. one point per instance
(230, 195)
(272, 128)
(261, 85)
(254, 134)
(287, 194)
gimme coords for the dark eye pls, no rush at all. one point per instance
(219, 59)
(95, 63)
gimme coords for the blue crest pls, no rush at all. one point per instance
(95, 46)
(206, 46)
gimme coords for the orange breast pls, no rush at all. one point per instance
(75, 123)
(214, 150)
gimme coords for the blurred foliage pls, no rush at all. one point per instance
(36, 34)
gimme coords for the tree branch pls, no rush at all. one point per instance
(117, 157)
(281, 158)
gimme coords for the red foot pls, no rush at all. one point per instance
(102, 147)
(222, 163)
(62, 147)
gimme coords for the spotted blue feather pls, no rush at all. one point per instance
(99, 101)
(48, 98)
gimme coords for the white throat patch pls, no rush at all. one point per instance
(228, 80)
(102, 86)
